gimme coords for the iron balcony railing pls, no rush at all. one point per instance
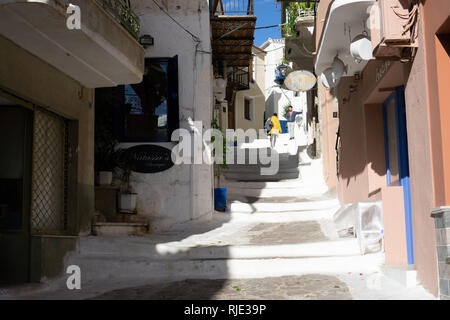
(235, 7)
(122, 12)
(306, 13)
(240, 78)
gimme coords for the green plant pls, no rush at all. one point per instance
(293, 11)
(104, 154)
(215, 125)
(125, 178)
(105, 143)
(127, 168)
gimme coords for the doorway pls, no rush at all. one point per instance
(15, 192)
(396, 152)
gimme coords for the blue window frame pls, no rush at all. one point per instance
(397, 164)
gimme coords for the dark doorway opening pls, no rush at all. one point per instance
(15, 190)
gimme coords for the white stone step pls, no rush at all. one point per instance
(239, 176)
(252, 169)
(119, 228)
(96, 268)
(106, 247)
(282, 217)
(260, 207)
(282, 184)
(303, 192)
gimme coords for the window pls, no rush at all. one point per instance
(149, 111)
(248, 108)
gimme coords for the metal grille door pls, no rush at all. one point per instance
(49, 176)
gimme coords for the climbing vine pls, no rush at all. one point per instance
(293, 11)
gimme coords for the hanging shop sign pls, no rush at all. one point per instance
(301, 80)
(148, 158)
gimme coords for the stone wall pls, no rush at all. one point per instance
(442, 227)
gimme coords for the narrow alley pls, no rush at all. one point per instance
(276, 241)
(224, 150)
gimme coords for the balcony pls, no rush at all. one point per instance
(299, 19)
(233, 27)
(239, 78)
(103, 52)
(122, 12)
(233, 7)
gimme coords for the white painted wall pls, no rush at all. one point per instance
(277, 98)
(255, 93)
(183, 192)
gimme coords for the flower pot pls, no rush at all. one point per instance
(127, 202)
(105, 178)
(220, 199)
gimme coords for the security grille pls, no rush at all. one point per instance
(49, 172)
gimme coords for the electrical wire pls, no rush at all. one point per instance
(412, 18)
(274, 26)
(275, 49)
(196, 38)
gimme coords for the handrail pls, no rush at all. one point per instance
(234, 7)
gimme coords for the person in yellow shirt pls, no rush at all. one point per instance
(275, 131)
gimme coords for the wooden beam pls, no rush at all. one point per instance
(235, 39)
(234, 54)
(214, 6)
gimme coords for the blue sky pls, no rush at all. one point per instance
(268, 13)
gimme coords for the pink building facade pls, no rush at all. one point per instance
(392, 138)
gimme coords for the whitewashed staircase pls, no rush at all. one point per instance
(298, 185)
(220, 248)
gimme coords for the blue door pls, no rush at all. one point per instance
(397, 163)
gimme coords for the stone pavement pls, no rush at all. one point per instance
(308, 287)
(276, 250)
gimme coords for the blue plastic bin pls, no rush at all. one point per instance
(220, 199)
(284, 127)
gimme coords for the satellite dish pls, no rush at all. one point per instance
(301, 80)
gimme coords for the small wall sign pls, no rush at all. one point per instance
(301, 80)
(148, 158)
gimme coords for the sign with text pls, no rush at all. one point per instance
(148, 158)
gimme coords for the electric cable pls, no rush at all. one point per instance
(196, 38)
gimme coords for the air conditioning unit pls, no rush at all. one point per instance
(388, 19)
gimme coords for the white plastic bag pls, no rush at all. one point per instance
(365, 221)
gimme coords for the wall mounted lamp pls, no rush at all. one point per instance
(146, 40)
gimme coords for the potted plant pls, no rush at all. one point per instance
(220, 194)
(127, 198)
(105, 162)
(105, 144)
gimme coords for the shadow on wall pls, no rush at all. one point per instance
(361, 142)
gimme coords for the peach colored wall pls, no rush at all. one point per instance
(394, 226)
(359, 177)
(420, 168)
(329, 128)
(435, 13)
(376, 160)
(321, 14)
(353, 182)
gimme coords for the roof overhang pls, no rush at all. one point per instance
(99, 54)
(232, 39)
(346, 19)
